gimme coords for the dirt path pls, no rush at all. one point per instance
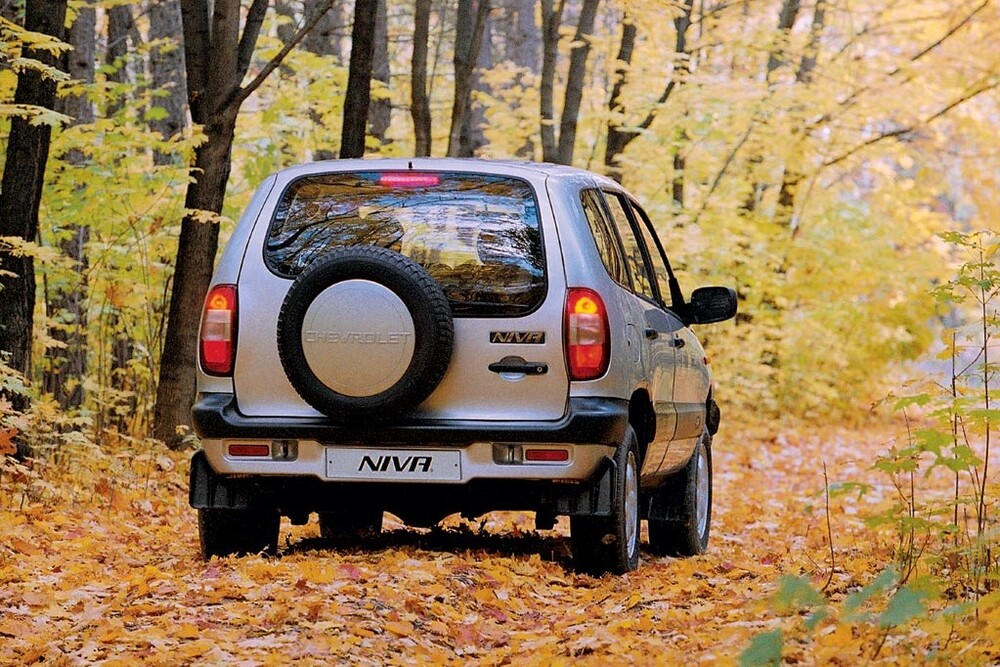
(110, 573)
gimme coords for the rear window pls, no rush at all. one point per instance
(477, 235)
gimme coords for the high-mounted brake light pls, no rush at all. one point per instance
(588, 341)
(408, 180)
(218, 331)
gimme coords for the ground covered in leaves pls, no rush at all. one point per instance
(99, 564)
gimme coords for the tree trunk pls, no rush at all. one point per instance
(523, 49)
(677, 182)
(551, 20)
(420, 108)
(324, 39)
(469, 29)
(522, 40)
(792, 175)
(216, 57)
(380, 110)
(166, 64)
(120, 28)
(787, 16)
(195, 262)
(21, 193)
(67, 367)
(618, 138)
(359, 80)
(574, 82)
(786, 20)
(472, 137)
(286, 28)
(13, 11)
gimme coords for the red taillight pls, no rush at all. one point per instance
(241, 449)
(408, 180)
(218, 331)
(588, 341)
(547, 455)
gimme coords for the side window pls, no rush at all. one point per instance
(655, 252)
(604, 236)
(635, 258)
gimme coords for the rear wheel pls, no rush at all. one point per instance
(227, 532)
(350, 524)
(611, 543)
(687, 503)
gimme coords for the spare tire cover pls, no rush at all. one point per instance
(365, 330)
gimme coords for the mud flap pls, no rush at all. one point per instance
(594, 499)
(210, 490)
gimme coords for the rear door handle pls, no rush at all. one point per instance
(519, 365)
(678, 342)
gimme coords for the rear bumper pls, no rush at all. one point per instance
(298, 477)
(418, 504)
(598, 421)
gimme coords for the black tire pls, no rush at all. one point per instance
(226, 532)
(427, 304)
(356, 525)
(611, 543)
(683, 496)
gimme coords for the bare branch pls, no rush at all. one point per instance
(911, 128)
(241, 94)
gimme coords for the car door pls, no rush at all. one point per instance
(658, 328)
(691, 377)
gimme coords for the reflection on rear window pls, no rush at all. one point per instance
(477, 235)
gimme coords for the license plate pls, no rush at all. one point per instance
(397, 465)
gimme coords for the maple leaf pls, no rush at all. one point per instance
(7, 446)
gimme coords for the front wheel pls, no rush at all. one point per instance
(227, 532)
(686, 502)
(611, 543)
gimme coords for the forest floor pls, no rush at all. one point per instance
(99, 564)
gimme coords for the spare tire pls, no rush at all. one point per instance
(365, 330)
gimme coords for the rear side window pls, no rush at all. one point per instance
(634, 256)
(477, 235)
(604, 237)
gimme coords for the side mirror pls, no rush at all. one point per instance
(711, 304)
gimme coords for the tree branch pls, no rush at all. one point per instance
(725, 168)
(906, 130)
(851, 99)
(241, 94)
(248, 40)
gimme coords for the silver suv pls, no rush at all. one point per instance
(427, 337)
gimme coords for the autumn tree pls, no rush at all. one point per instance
(470, 27)
(380, 108)
(420, 108)
(620, 134)
(21, 188)
(166, 65)
(66, 363)
(359, 81)
(217, 56)
(561, 148)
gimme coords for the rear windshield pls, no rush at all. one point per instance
(477, 235)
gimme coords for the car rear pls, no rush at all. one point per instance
(501, 409)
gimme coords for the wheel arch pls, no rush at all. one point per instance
(642, 418)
